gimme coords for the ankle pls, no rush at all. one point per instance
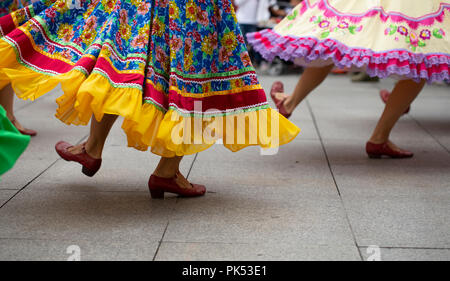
(378, 139)
(11, 117)
(94, 151)
(289, 105)
(164, 174)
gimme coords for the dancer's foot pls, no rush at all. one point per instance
(384, 95)
(377, 150)
(177, 184)
(21, 129)
(279, 98)
(277, 92)
(77, 149)
(339, 70)
(282, 109)
(178, 176)
(79, 154)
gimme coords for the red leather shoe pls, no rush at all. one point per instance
(384, 95)
(378, 150)
(277, 87)
(339, 70)
(27, 132)
(282, 110)
(90, 164)
(158, 186)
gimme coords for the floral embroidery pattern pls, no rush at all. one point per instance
(414, 39)
(20, 16)
(291, 17)
(329, 28)
(300, 38)
(170, 44)
(8, 6)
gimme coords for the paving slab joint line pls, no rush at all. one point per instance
(406, 248)
(192, 165)
(429, 133)
(173, 210)
(313, 117)
(160, 242)
(27, 184)
(208, 242)
(40, 174)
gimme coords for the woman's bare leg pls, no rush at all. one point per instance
(402, 96)
(311, 78)
(7, 101)
(97, 138)
(167, 167)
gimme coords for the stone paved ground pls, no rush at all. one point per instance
(319, 198)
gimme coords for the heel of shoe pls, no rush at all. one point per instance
(374, 156)
(157, 193)
(88, 172)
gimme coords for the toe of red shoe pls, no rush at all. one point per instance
(61, 148)
(277, 87)
(407, 154)
(28, 132)
(62, 145)
(384, 94)
(199, 188)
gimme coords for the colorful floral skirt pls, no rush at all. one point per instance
(408, 39)
(9, 6)
(12, 143)
(177, 71)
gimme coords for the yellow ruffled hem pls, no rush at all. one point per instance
(172, 134)
(168, 134)
(97, 97)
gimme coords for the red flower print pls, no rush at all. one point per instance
(143, 8)
(91, 23)
(174, 26)
(202, 17)
(139, 41)
(163, 3)
(119, 40)
(78, 41)
(176, 43)
(51, 13)
(218, 14)
(245, 58)
(224, 55)
(240, 39)
(50, 48)
(161, 55)
(187, 45)
(197, 36)
(214, 67)
(227, 6)
(123, 16)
